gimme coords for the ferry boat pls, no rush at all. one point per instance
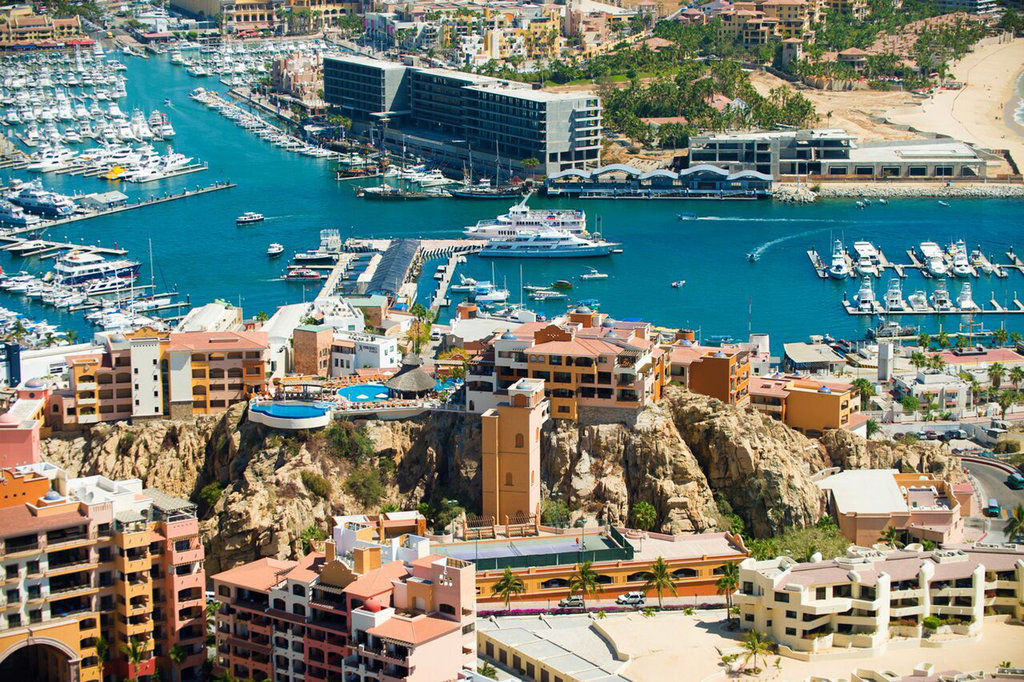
(545, 244)
(521, 218)
(34, 199)
(965, 301)
(940, 298)
(248, 218)
(275, 250)
(303, 274)
(934, 261)
(893, 300)
(83, 266)
(15, 215)
(839, 269)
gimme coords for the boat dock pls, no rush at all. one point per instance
(441, 294)
(999, 270)
(49, 249)
(995, 309)
(334, 277)
(819, 265)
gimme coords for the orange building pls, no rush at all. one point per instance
(19, 26)
(722, 373)
(808, 405)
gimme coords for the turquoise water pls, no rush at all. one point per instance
(198, 249)
(364, 393)
(291, 410)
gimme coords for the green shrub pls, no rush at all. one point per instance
(388, 507)
(364, 484)
(347, 442)
(210, 493)
(554, 513)
(311, 534)
(124, 443)
(931, 622)
(316, 484)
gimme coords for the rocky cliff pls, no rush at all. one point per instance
(677, 455)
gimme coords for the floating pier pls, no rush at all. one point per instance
(996, 309)
(49, 249)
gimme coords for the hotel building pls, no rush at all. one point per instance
(722, 373)
(808, 405)
(148, 374)
(586, 360)
(862, 600)
(21, 27)
(353, 615)
(319, 350)
(490, 116)
(86, 558)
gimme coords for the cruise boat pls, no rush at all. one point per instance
(326, 253)
(34, 199)
(934, 260)
(521, 218)
(865, 297)
(83, 266)
(893, 301)
(940, 298)
(275, 250)
(918, 300)
(840, 268)
(15, 215)
(546, 243)
(248, 218)
(303, 274)
(964, 301)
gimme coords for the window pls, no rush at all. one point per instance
(520, 441)
(224, 591)
(299, 610)
(791, 632)
(820, 592)
(298, 590)
(782, 597)
(508, 479)
(790, 614)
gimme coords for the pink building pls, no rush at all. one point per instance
(20, 426)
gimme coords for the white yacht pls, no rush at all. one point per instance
(918, 300)
(592, 273)
(545, 243)
(34, 199)
(522, 218)
(893, 301)
(15, 215)
(465, 285)
(964, 301)
(839, 268)
(934, 260)
(82, 266)
(940, 298)
(961, 264)
(865, 296)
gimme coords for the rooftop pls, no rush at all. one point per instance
(865, 491)
(415, 630)
(260, 575)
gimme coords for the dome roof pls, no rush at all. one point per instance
(686, 343)
(720, 354)
(608, 323)
(52, 496)
(583, 310)
(8, 418)
(35, 383)
(508, 336)
(372, 605)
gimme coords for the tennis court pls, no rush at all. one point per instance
(516, 547)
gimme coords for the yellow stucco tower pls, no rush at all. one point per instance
(511, 452)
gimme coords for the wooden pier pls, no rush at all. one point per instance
(998, 270)
(996, 309)
(437, 302)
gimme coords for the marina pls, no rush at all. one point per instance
(934, 263)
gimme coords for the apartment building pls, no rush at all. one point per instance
(808, 405)
(20, 26)
(320, 350)
(350, 616)
(586, 359)
(85, 558)
(242, 16)
(748, 26)
(489, 116)
(939, 391)
(867, 501)
(22, 425)
(722, 373)
(149, 374)
(325, 12)
(864, 599)
(858, 9)
(794, 18)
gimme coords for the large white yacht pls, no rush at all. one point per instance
(15, 215)
(934, 261)
(840, 268)
(522, 218)
(82, 266)
(546, 243)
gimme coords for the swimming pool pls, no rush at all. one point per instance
(283, 410)
(444, 384)
(364, 393)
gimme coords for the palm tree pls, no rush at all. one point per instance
(865, 389)
(71, 336)
(660, 579)
(135, 652)
(1017, 377)
(995, 373)
(102, 652)
(727, 583)
(918, 360)
(509, 585)
(999, 337)
(943, 340)
(1016, 338)
(177, 654)
(924, 340)
(937, 363)
(212, 607)
(18, 331)
(756, 645)
(584, 582)
(891, 537)
(1005, 400)
(1015, 523)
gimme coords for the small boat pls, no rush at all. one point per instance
(753, 257)
(840, 268)
(918, 300)
(248, 218)
(616, 250)
(562, 284)
(593, 274)
(678, 283)
(687, 216)
(303, 274)
(883, 201)
(275, 250)
(943, 203)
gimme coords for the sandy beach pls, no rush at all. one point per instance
(977, 113)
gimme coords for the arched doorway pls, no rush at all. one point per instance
(40, 658)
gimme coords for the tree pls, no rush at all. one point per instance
(262, 316)
(943, 340)
(530, 163)
(554, 512)
(1015, 523)
(918, 360)
(756, 646)
(102, 654)
(212, 607)
(210, 493)
(866, 389)
(891, 537)
(660, 579)
(508, 585)
(1005, 400)
(643, 516)
(924, 340)
(135, 652)
(872, 427)
(177, 654)
(584, 582)
(488, 670)
(1000, 336)
(910, 403)
(1017, 377)
(727, 583)
(995, 373)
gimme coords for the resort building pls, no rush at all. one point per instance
(347, 615)
(21, 27)
(833, 154)
(817, 358)
(586, 359)
(722, 373)
(808, 405)
(937, 391)
(510, 453)
(251, 16)
(619, 180)
(149, 374)
(867, 501)
(493, 117)
(862, 600)
(320, 350)
(90, 557)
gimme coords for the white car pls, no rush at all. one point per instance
(631, 599)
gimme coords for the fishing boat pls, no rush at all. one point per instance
(248, 218)
(934, 259)
(594, 274)
(918, 300)
(940, 298)
(865, 297)
(965, 301)
(893, 300)
(839, 268)
(275, 250)
(961, 264)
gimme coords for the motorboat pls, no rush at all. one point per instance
(325, 254)
(753, 256)
(303, 274)
(678, 283)
(839, 268)
(561, 284)
(83, 266)
(686, 216)
(965, 301)
(521, 218)
(15, 215)
(594, 274)
(33, 198)
(248, 218)
(934, 259)
(918, 300)
(943, 203)
(865, 267)
(275, 250)
(893, 300)
(940, 298)
(545, 243)
(865, 296)
(961, 264)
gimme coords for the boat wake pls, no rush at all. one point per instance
(758, 250)
(770, 220)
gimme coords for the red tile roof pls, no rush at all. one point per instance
(377, 581)
(258, 575)
(19, 520)
(415, 630)
(215, 341)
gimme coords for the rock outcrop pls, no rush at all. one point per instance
(848, 451)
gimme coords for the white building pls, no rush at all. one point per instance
(351, 351)
(949, 393)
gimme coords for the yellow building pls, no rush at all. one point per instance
(793, 17)
(807, 405)
(858, 9)
(510, 449)
(324, 12)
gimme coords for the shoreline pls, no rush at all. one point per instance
(805, 194)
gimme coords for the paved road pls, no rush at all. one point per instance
(992, 481)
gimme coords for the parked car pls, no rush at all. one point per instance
(952, 434)
(929, 434)
(631, 599)
(574, 601)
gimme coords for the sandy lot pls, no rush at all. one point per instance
(664, 646)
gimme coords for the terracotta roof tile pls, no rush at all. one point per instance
(415, 630)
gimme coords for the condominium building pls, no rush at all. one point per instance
(86, 558)
(20, 26)
(722, 373)
(858, 9)
(586, 359)
(350, 616)
(320, 350)
(243, 16)
(491, 117)
(794, 18)
(808, 405)
(936, 391)
(864, 599)
(867, 501)
(149, 374)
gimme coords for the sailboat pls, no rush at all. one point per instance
(484, 189)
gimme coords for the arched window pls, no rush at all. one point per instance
(299, 609)
(520, 440)
(685, 573)
(508, 478)
(298, 590)
(279, 604)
